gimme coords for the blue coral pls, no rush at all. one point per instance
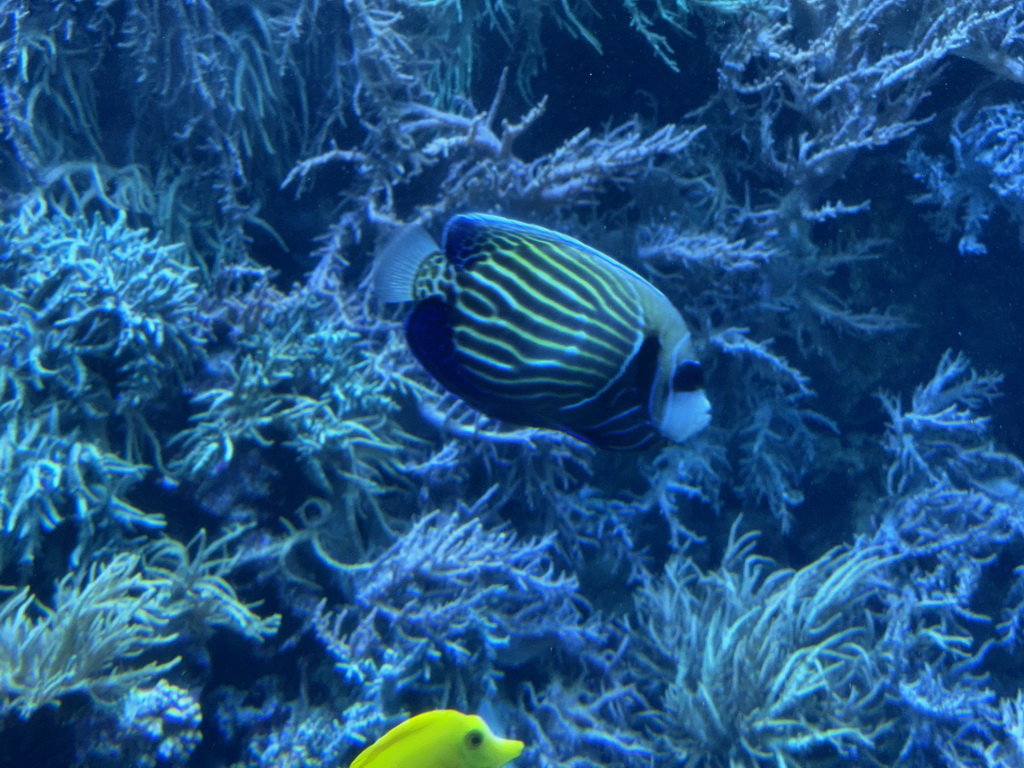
(986, 173)
(100, 325)
(447, 610)
(165, 716)
(232, 505)
(153, 727)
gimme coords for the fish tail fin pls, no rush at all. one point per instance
(398, 270)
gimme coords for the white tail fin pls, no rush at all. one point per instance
(395, 267)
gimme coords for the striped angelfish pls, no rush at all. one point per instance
(533, 327)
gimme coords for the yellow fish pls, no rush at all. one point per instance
(442, 738)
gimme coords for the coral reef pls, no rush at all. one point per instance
(987, 168)
(83, 643)
(753, 664)
(239, 525)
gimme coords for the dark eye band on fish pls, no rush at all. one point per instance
(689, 377)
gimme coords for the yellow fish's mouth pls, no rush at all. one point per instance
(509, 749)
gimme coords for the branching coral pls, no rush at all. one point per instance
(768, 421)
(1010, 753)
(943, 435)
(445, 611)
(474, 161)
(953, 507)
(444, 614)
(591, 716)
(988, 164)
(97, 313)
(153, 727)
(309, 739)
(212, 99)
(275, 732)
(777, 434)
(301, 374)
(99, 327)
(829, 87)
(530, 460)
(162, 723)
(938, 684)
(809, 91)
(47, 477)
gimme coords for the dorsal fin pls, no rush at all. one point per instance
(469, 236)
(395, 268)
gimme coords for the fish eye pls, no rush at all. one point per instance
(474, 739)
(689, 377)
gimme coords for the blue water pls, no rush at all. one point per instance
(241, 526)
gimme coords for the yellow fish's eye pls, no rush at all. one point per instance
(474, 739)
